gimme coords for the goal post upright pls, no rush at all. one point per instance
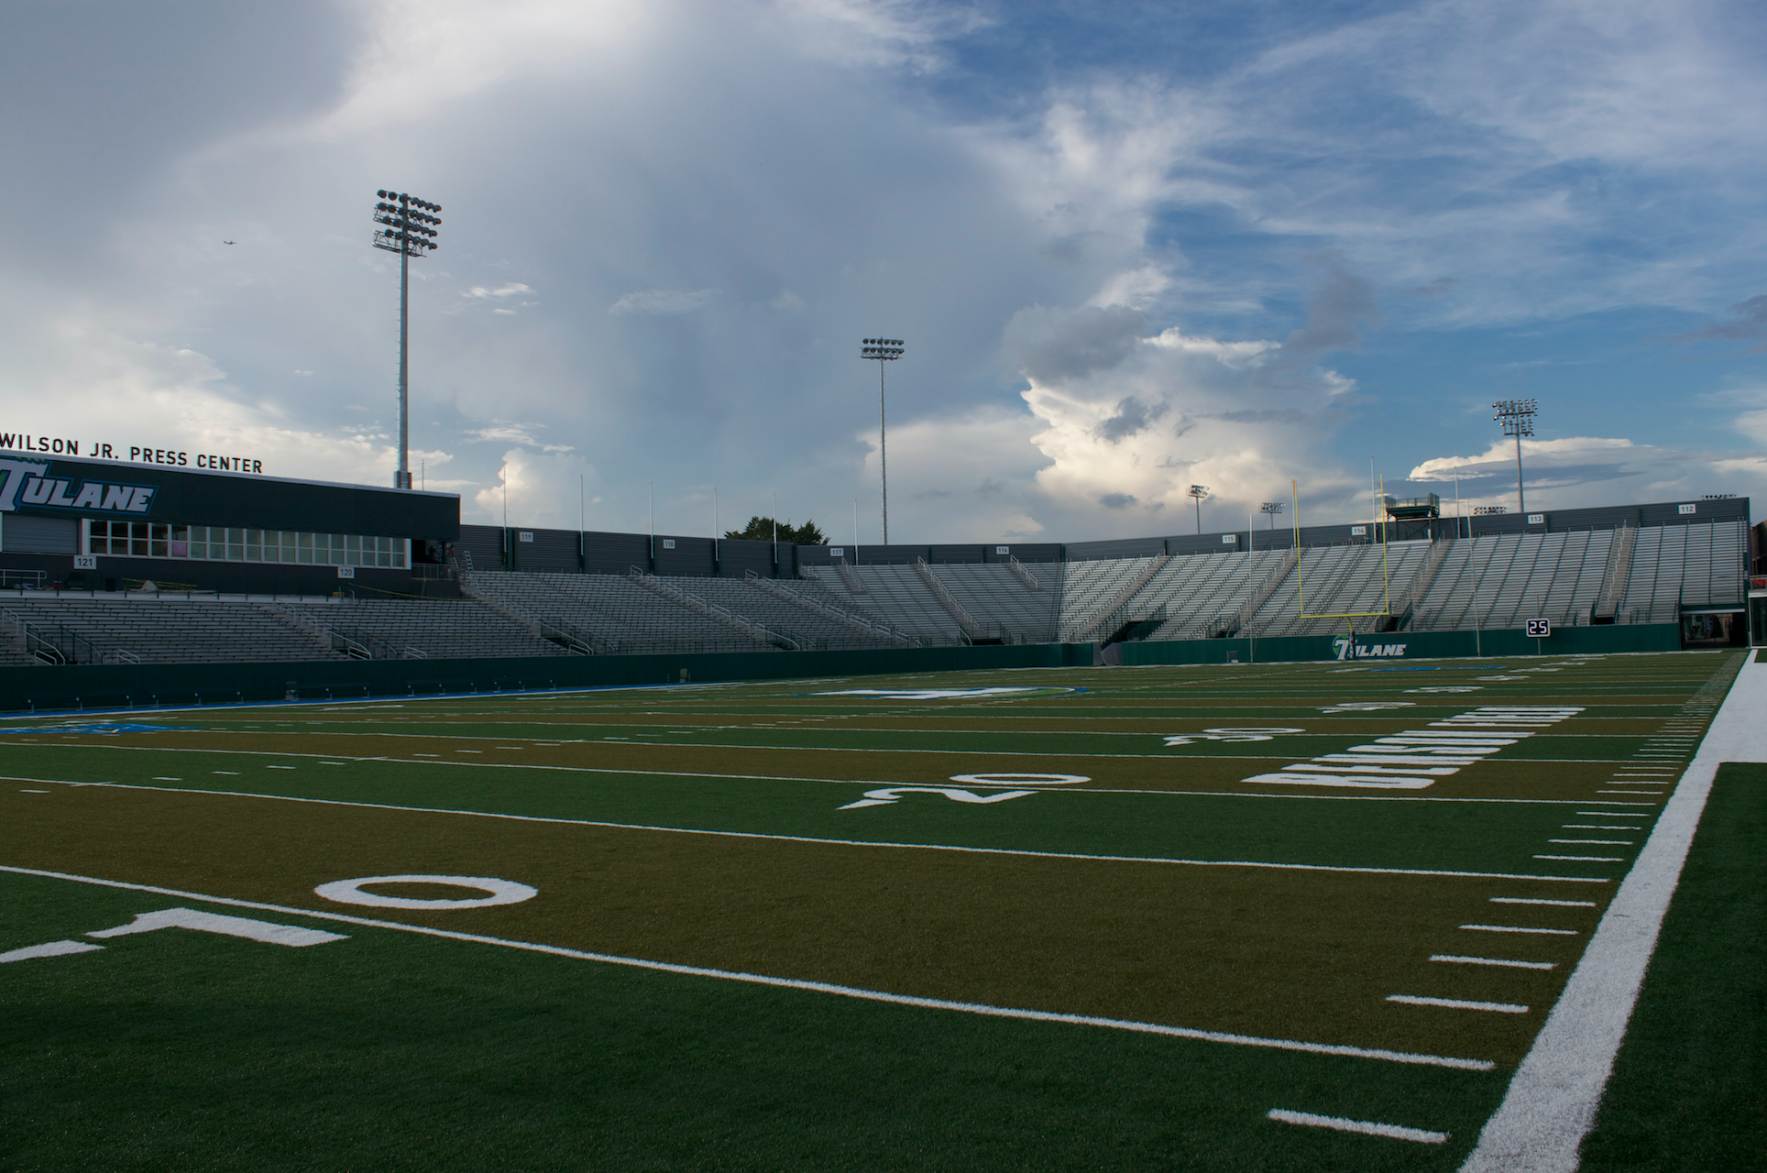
(1300, 583)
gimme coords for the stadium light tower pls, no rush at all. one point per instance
(411, 232)
(1197, 493)
(1271, 509)
(881, 351)
(1517, 418)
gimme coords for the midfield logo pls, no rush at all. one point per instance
(27, 482)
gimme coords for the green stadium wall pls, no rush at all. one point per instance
(126, 686)
(1423, 645)
(138, 686)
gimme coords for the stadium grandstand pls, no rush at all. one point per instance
(106, 564)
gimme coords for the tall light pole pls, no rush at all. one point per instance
(1517, 418)
(881, 351)
(1272, 508)
(1197, 493)
(411, 232)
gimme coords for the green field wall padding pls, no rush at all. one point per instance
(136, 686)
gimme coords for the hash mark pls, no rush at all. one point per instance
(1533, 900)
(1493, 961)
(1457, 1003)
(1339, 1123)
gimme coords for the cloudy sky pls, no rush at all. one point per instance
(1131, 247)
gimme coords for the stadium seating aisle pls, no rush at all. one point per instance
(993, 594)
(1091, 587)
(897, 596)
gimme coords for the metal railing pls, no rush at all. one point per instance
(749, 627)
(967, 623)
(1090, 627)
(852, 619)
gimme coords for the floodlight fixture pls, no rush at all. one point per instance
(881, 351)
(1197, 493)
(1517, 418)
(1272, 508)
(410, 231)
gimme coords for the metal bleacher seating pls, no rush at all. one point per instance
(163, 631)
(1207, 588)
(1340, 580)
(897, 596)
(1505, 580)
(1090, 588)
(1631, 574)
(436, 628)
(610, 613)
(993, 593)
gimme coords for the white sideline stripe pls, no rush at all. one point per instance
(1609, 842)
(1420, 1135)
(1201, 863)
(1532, 900)
(1552, 1100)
(1520, 929)
(53, 949)
(1587, 858)
(1494, 961)
(1457, 1003)
(1155, 1028)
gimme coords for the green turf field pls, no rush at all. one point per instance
(1248, 917)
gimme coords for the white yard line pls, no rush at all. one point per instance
(639, 772)
(812, 839)
(1154, 1028)
(1552, 1100)
(761, 747)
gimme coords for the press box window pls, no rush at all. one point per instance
(141, 539)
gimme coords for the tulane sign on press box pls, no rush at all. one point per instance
(27, 482)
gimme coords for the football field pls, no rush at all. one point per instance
(1299, 916)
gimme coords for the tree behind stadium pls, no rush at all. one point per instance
(760, 529)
